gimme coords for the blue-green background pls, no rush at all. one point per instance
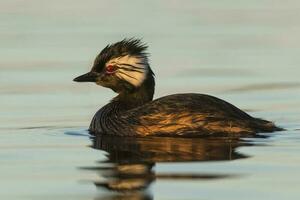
(246, 52)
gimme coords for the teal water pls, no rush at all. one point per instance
(245, 52)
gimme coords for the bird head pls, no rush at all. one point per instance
(122, 66)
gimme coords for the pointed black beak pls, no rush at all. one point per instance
(88, 77)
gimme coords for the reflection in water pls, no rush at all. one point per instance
(130, 161)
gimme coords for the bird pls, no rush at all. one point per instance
(124, 67)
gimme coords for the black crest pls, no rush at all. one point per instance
(131, 46)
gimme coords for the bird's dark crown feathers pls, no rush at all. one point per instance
(131, 46)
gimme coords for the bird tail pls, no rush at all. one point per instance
(262, 125)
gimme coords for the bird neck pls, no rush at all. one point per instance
(131, 99)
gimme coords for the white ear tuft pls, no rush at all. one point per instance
(132, 69)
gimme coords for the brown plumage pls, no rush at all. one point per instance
(124, 68)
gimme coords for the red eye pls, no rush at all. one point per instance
(110, 69)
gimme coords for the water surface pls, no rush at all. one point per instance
(245, 52)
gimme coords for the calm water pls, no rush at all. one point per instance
(246, 52)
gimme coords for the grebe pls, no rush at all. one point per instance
(124, 68)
